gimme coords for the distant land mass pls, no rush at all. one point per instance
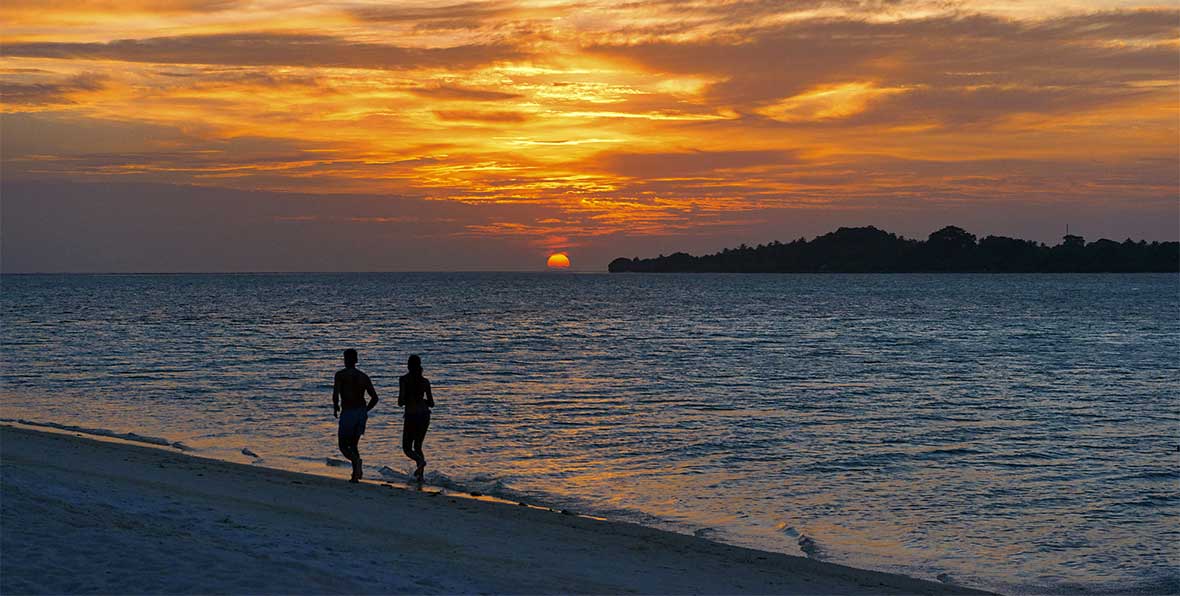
(949, 250)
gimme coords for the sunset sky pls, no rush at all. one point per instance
(217, 135)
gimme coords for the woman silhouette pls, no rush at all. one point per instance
(413, 392)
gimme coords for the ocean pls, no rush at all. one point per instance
(1013, 432)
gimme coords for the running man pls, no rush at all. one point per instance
(413, 392)
(350, 387)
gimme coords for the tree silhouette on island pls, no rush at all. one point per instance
(949, 250)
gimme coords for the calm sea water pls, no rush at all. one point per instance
(1020, 433)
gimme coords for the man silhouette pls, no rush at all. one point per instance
(349, 391)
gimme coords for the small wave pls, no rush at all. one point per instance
(949, 452)
(787, 529)
(247, 452)
(391, 474)
(306, 458)
(807, 545)
(482, 484)
(1152, 475)
(1154, 500)
(706, 533)
(496, 488)
(1029, 455)
(1012, 464)
(102, 432)
(861, 462)
(810, 547)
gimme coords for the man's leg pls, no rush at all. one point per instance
(349, 439)
(358, 431)
(357, 470)
(346, 448)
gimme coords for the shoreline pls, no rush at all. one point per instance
(89, 515)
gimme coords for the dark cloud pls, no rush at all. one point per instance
(120, 6)
(864, 180)
(466, 11)
(46, 144)
(1147, 23)
(983, 105)
(729, 18)
(499, 15)
(262, 78)
(480, 116)
(960, 108)
(1089, 53)
(17, 93)
(686, 163)
(25, 71)
(743, 11)
(117, 226)
(268, 49)
(453, 92)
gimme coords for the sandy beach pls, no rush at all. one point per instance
(89, 516)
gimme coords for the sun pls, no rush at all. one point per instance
(558, 260)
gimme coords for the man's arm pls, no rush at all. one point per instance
(336, 396)
(429, 396)
(401, 392)
(372, 393)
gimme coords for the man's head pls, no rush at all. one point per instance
(350, 357)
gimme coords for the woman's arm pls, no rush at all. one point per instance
(401, 391)
(429, 395)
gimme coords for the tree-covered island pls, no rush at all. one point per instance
(949, 250)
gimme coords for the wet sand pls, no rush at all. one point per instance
(86, 516)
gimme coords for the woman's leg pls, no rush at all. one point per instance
(419, 436)
(409, 434)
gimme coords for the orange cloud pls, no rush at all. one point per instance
(582, 123)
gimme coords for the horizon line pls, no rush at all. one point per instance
(586, 272)
(303, 272)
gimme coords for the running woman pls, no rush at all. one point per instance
(414, 394)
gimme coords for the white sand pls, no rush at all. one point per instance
(80, 515)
